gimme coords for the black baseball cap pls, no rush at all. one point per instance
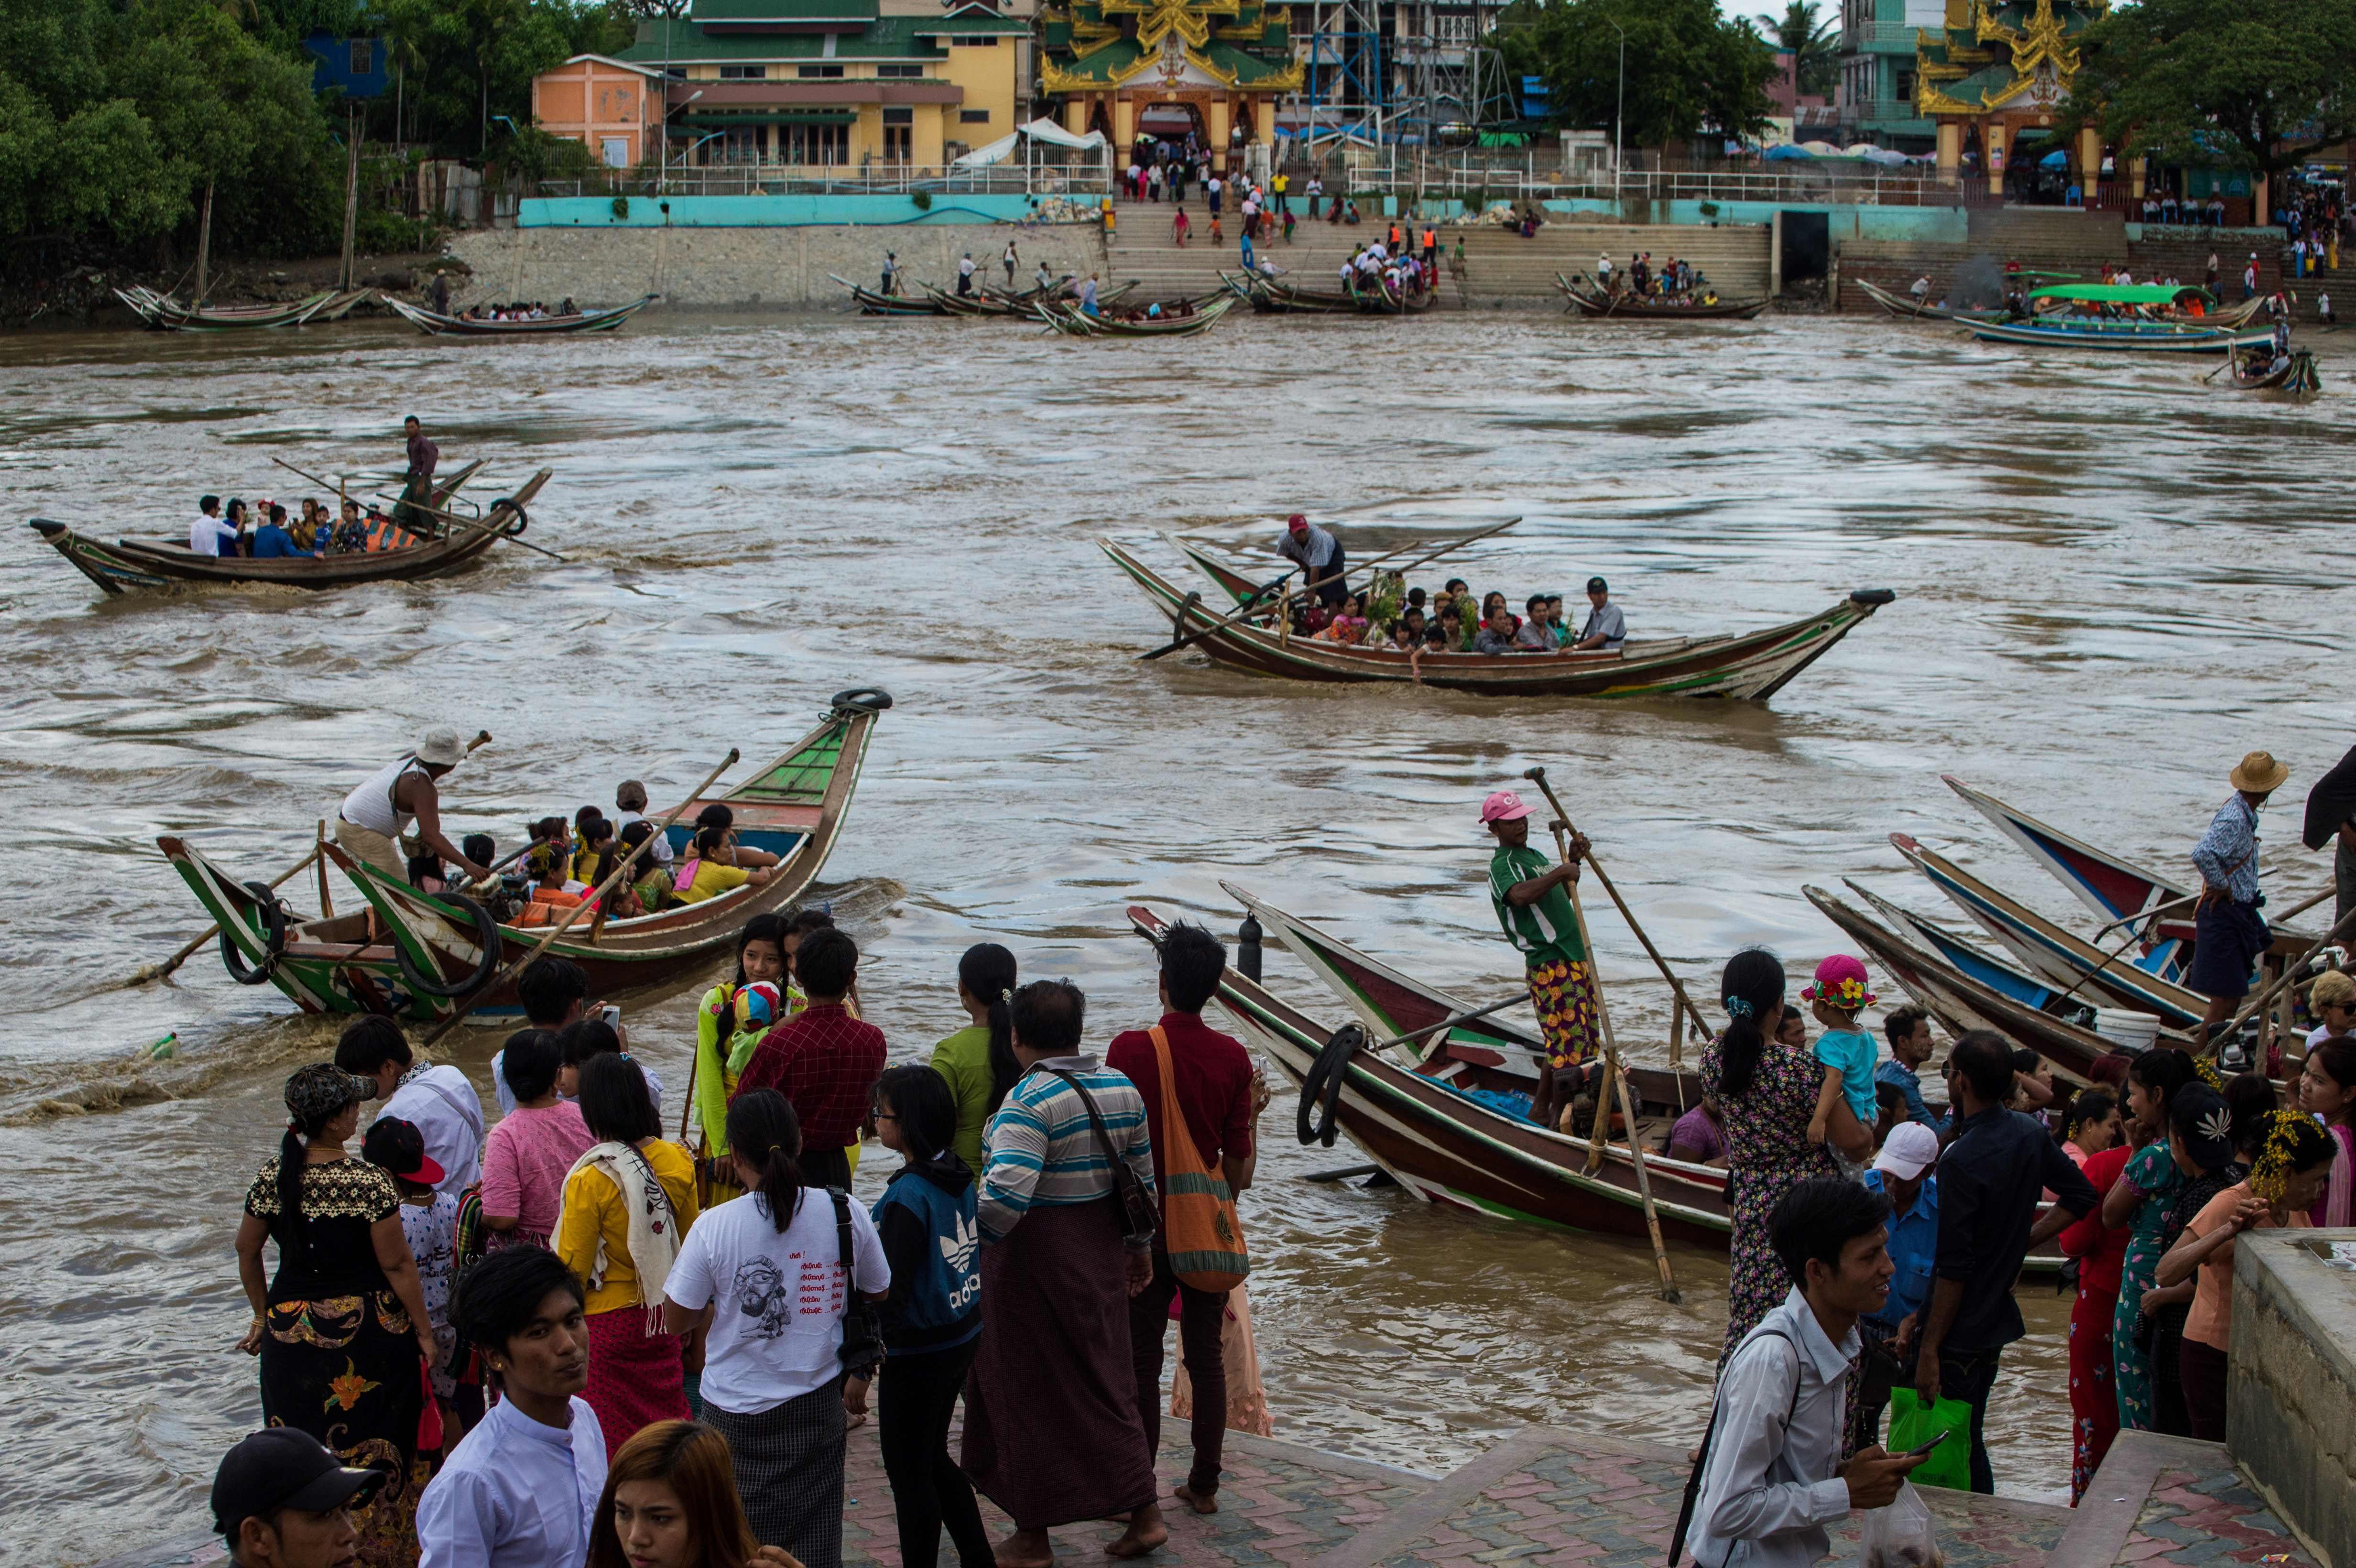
(1597, 585)
(281, 1467)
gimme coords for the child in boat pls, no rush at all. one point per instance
(1846, 1052)
(545, 865)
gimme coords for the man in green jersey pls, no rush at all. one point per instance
(1536, 913)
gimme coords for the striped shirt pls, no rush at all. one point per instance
(1544, 930)
(1039, 1148)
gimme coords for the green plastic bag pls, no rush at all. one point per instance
(1910, 1426)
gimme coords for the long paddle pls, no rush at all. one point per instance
(1615, 1076)
(1539, 777)
(453, 521)
(157, 971)
(595, 900)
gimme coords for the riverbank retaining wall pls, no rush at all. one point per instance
(748, 268)
(2293, 1383)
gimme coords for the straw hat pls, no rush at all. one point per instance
(2260, 774)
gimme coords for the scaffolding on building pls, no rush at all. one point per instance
(1419, 71)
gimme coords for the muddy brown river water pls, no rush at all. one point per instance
(2113, 581)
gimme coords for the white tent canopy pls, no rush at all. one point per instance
(1042, 131)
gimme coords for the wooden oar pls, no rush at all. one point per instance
(456, 521)
(1539, 777)
(1613, 1076)
(1448, 548)
(596, 898)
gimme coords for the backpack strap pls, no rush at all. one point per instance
(1701, 1458)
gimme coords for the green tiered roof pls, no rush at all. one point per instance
(1091, 45)
(1997, 54)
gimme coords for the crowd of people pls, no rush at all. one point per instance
(263, 529)
(569, 1337)
(519, 310)
(1387, 614)
(1673, 281)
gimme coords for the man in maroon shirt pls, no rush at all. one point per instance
(1219, 1097)
(822, 1060)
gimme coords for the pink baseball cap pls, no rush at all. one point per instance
(1296, 521)
(1504, 806)
(1840, 983)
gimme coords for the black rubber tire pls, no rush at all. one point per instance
(487, 937)
(274, 940)
(1317, 1120)
(873, 699)
(522, 518)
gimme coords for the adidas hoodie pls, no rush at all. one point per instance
(925, 1218)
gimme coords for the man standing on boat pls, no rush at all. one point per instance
(1319, 555)
(1537, 917)
(417, 484)
(2229, 932)
(380, 813)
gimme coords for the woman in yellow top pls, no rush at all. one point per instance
(628, 1202)
(708, 871)
(726, 1032)
(979, 1061)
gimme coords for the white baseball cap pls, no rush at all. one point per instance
(1912, 1149)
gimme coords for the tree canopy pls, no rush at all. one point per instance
(1814, 45)
(1687, 67)
(2257, 84)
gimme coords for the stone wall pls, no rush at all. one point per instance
(2293, 1385)
(745, 268)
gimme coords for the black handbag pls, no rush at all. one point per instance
(862, 1325)
(1141, 1216)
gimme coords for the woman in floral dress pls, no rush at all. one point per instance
(1766, 1094)
(2140, 1202)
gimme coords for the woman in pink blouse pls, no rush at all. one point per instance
(529, 1155)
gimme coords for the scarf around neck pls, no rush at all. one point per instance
(653, 1226)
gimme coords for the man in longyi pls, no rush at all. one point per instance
(1536, 913)
(380, 813)
(2232, 932)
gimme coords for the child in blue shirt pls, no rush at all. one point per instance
(1846, 1052)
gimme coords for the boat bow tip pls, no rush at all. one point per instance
(1872, 598)
(862, 700)
(47, 530)
(1905, 844)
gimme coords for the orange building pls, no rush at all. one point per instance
(610, 106)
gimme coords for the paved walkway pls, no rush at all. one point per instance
(1553, 1499)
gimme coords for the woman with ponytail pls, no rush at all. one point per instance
(342, 1330)
(2139, 1203)
(1766, 1094)
(772, 1369)
(979, 1059)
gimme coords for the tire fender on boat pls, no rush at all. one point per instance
(864, 699)
(273, 939)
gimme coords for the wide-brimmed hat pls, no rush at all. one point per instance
(2260, 771)
(1503, 805)
(441, 749)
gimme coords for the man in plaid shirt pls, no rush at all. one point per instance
(822, 1060)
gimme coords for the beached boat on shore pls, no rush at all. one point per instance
(1589, 301)
(127, 564)
(168, 314)
(1753, 666)
(439, 951)
(434, 325)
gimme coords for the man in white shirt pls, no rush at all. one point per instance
(1771, 1475)
(630, 806)
(437, 1100)
(207, 534)
(521, 1490)
(965, 275)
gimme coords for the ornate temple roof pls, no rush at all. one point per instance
(1091, 45)
(1999, 54)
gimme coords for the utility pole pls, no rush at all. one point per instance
(351, 192)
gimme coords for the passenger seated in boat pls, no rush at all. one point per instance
(1535, 634)
(649, 878)
(707, 873)
(739, 855)
(1493, 605)
(549, 901)
(272, 542)
(425, 873)
(1606, 629)
(568, 308)
(1447, 627)
(1349, 622)
(1699, 1135)
(209, 534)
(1497, 635)
(1404, 638)
(596, 855)
(1416, 622)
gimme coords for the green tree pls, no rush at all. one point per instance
(1687, 67)
(1812, 44)
(2254, 84)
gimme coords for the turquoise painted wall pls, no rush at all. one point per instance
(766, 211)
(1936, 225)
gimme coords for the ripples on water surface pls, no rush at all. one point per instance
(2112, 583)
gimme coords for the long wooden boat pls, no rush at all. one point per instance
(2121, 337)
(166, 314)
(434, 325)
(1269, 295)
(129, 563)
(2054, 954)
(1592, 303)
(1962, 1000)
(871, 303)
(1753, 666)
(439, 950)
(1905, 307)
(1074, 322)
(2113, 888)
(2296, 374)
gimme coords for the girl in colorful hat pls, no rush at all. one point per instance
(1846, 1112)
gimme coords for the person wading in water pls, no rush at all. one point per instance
(1538, 919)
(375, 817)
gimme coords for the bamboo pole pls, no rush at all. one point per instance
(318, 855)
(1614, 1077)
(597, 898)
(204, 258)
